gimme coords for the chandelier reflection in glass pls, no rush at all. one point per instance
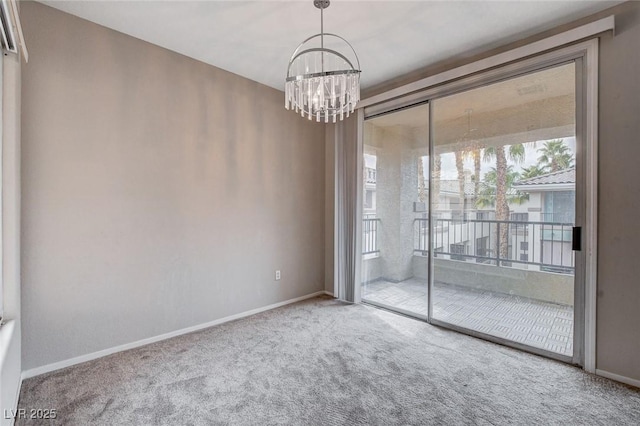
(323, 83)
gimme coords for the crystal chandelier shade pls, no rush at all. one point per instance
(322, 83)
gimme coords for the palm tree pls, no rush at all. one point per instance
(516, 154)
(474, 152)
(532, 171)
(471, 149)
(555, 155)
(476, 155)
(487, 195)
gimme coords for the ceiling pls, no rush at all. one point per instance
(527, 108)
(256, 38)
(494, 101)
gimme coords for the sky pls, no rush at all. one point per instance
(531, 154)
(449, 171)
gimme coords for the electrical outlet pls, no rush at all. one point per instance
(278, 275)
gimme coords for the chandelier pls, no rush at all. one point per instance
(321, 82)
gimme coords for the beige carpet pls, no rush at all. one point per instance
(324, 362)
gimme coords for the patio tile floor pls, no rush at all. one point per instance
(535, 323)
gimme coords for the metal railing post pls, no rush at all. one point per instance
(498, 243)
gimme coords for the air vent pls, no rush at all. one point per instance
(535, 88)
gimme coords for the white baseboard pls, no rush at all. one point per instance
(99, 354)
(328, 293)
(618, 378)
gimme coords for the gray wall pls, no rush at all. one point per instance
(618, 309)
(158, 192)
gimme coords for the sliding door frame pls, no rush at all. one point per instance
(517, 70)
(585, 56)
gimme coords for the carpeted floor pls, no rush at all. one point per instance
(325, 362)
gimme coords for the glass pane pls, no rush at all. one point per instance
(503, 208)
(395, 198)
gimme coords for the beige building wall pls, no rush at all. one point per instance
(158, 192)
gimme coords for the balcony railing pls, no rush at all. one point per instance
(370, 235)
(546, 245)
(543, 244)
(369, 175)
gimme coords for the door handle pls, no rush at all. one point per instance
(576, 240)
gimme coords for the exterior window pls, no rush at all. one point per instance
(368, 200)
(458, 216)
(559, 206)
(519, 217)
(458, 249)
(485, 215)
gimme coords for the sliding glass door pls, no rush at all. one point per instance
(503, 207)
(394, 221)
(470, 205)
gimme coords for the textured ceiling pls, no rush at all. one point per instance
(527, 108)
(538, 88)
(256, 38)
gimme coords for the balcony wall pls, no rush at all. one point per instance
(372, 270)
(544, 286)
